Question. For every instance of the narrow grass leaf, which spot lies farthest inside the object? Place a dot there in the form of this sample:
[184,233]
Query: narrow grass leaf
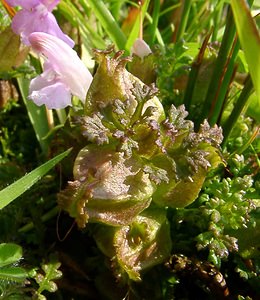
[136,28]
[78,18]
[37,115]
[221,65]
[186,5]
[240,104]
[107,21]
[155,18]
[249,38]
[17,188]
[157,32]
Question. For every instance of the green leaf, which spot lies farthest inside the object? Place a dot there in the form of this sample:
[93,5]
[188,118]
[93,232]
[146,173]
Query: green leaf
[16,189]
[11,55]
[9,254]
[16,274]
[249,38]
[51,273]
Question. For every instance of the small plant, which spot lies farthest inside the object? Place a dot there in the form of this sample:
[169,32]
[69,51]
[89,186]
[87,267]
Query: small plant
[141,159]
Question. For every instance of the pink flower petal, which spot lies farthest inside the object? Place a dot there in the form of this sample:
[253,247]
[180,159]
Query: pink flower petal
[50,4]
[29,4]
[140,48]
[38,19]
[54,94]
[64,61]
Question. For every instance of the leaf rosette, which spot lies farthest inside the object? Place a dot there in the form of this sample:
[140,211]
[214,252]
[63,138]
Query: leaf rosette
[135,153]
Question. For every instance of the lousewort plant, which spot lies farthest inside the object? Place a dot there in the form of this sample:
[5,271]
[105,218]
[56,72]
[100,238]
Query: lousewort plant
[151,123]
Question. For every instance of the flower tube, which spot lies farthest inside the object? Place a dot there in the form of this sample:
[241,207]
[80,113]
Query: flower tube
[64,73]
[36,16]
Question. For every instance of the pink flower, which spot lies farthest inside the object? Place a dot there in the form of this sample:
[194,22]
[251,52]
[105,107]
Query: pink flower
[140,48]
[36,16]
[64,73]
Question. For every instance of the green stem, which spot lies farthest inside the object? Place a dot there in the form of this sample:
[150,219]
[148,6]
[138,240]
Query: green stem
[197,25]
[169,9]
[240,104]
[49,215]
[62,116]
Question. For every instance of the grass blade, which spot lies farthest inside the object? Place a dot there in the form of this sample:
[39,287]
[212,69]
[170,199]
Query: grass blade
[220,68]
[186,5]
[194,72]
[37,115]
[155,18]
[249,39]
[240,104]
[108,22]
[91,39]
[136,28]
[217,106]
[157,32]
[17,188]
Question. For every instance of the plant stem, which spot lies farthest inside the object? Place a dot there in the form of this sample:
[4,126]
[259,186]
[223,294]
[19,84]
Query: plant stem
[249,37]
[50,214]
[62,116]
